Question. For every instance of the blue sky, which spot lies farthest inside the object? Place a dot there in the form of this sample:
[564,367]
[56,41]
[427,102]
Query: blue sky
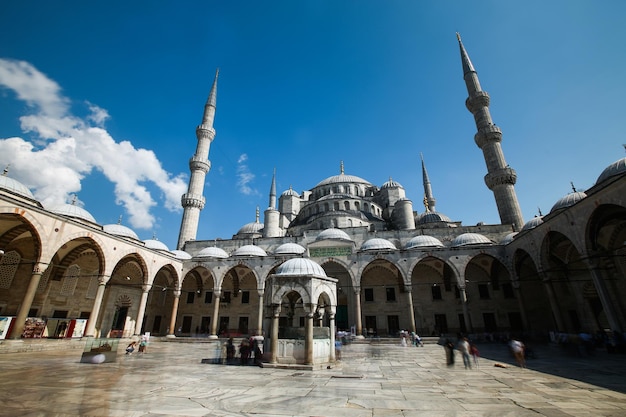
[101,99]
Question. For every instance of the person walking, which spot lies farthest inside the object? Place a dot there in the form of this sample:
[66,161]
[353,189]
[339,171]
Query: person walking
[517,348]
[475,353]
[464,347]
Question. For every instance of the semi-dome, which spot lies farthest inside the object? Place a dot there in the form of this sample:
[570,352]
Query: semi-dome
[120,230]
[212,252]
[508,238]
[532,223]
[617,167]
[377,244]
[568,200]
[300,266]
[14,186]
[467,239]
[74,211]
[423,241]
[249,250]
[181,254]
[432,217]
[332,234]
[289,249]
[290,193]
[391,184]
[155,244]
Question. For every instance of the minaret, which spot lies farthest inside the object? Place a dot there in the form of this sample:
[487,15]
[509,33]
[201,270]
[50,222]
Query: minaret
[271,227]
[429,200]
[500,176]
[193,201]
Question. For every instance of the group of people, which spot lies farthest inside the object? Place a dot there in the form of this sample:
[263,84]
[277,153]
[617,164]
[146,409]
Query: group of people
[413,338]
[469,351]
[249,352]
[140,346]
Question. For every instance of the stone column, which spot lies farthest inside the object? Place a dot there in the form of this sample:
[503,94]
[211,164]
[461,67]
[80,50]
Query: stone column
[409,297]
[90,331]
[274,337]
[142,308]
[216,311]
[27,301]
[556,311]
[357,305]
[522,308]
[174,314]
[259,320]
[333,331]
[466,313]
[308,341]
[605,299]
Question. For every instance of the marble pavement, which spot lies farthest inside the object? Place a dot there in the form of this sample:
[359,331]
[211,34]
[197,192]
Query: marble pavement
[371,380]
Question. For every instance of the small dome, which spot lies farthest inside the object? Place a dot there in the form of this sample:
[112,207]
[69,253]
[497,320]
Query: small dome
[532,223]
[391,184]
[467,239]
[300,266]
[181,254]
[72,210]
[15,187]
[290,193]
[332,234]
[568,200]
[508,238]
[254,227]
[212,252]
[155,244]
[617,167]
[119,230]
[423,242]
[432,217]
[377,244]
[289,249]
[249,250]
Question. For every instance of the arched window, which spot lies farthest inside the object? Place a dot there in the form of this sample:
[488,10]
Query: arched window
[346,205]
[357,206]
[336,205]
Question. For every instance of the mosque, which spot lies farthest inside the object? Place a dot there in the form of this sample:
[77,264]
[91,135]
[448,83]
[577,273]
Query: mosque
[344,255]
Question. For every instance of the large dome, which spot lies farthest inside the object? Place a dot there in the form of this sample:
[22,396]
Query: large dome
[300,266]
[15,187]
[212,252]
[467,239]
[568,200]
[289,249]
[72,210]
[333,234]
[250,228]
[423,241]
[617,167]
[119,230]
[377,244]
[249,250]
[343,178]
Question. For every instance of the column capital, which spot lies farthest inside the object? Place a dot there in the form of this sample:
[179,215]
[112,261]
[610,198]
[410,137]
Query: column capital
[146,287]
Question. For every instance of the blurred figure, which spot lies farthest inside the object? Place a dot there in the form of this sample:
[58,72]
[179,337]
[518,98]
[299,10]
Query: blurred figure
[517,348]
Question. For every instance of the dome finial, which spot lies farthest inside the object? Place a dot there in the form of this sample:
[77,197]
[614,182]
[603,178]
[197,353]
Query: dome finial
[426,203]
[572,184]
[539,210]
[74,199]
[341,168]
[119,221]
[257,214]
[6,170]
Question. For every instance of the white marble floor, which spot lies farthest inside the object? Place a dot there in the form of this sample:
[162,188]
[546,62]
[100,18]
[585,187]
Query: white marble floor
[372,380]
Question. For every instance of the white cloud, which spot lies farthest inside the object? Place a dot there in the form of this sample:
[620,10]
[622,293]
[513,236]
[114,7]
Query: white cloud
[244,176]
[68,148]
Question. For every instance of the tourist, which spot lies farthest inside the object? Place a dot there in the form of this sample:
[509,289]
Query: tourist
[131,347]
[464,347]
[517,348]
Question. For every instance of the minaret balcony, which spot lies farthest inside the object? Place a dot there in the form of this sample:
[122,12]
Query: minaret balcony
[477,100]
[491,133]
[205,132]
[199,164]
[503,176]
[193,200]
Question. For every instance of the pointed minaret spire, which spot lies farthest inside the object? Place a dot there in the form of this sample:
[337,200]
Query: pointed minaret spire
[500,178]
[273,191]
[193,200]
[429,200]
